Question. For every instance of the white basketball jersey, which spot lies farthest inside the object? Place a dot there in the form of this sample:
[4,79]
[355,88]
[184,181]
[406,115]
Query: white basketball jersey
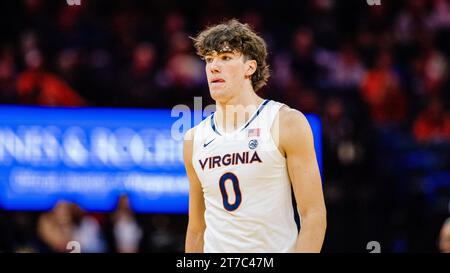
[246,186]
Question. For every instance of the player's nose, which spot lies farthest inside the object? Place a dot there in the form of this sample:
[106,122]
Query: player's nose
[214,66]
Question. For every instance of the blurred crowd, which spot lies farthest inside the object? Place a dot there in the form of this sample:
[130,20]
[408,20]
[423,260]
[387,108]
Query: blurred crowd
[68,228]
[378,76]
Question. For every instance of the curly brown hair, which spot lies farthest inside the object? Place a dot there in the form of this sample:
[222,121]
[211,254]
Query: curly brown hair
[237,37]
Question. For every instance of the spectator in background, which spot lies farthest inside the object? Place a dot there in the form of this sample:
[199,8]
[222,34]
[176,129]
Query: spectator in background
[8,93]
[301,97]
[55,228]
[382,92]
[69,67]
[68,222]
[137,81]
[344,150]
[304,66]
[88,232]
[338,131]
[444,237]
[410,19]
[440,15]
[343,71]
[38,87]
[126,232]
[346,72]
[182,76]
[433,123]
[427,71]
[434,71]
[20,232]
[323,21]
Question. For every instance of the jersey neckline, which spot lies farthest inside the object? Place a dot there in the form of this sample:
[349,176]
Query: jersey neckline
[218,131]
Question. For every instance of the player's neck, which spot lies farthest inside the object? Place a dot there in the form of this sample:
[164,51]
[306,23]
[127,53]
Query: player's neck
[235,112]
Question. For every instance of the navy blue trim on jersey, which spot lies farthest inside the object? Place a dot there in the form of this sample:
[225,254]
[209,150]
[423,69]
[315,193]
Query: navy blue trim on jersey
[257,113]
[213,125]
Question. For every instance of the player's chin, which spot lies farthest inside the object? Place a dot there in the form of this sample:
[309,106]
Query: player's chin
[217,94]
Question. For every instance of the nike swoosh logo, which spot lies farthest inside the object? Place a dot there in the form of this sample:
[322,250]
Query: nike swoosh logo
[206,144]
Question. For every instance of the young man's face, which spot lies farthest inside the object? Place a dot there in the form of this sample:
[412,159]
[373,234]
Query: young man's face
[226,73]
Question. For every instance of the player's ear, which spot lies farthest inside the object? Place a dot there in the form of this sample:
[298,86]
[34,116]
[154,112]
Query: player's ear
[251,67]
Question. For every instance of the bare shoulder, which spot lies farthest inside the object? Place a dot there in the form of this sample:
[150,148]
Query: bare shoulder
[189,135]
[293,121]
[188,146]
[293,127]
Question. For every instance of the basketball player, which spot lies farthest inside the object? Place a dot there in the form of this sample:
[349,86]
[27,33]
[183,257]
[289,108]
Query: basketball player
[243,160]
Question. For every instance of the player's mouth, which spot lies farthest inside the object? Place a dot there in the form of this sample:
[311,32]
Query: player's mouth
[217,80]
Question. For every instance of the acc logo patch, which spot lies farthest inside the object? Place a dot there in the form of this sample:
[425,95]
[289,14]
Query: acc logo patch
[252,144]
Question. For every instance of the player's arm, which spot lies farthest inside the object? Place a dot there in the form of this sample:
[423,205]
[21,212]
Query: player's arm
[196,224]
[296,142]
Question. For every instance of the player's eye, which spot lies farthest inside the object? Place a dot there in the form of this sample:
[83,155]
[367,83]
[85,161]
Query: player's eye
[226,58]
[208,59]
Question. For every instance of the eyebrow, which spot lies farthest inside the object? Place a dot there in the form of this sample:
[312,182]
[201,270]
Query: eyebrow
[219,53]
